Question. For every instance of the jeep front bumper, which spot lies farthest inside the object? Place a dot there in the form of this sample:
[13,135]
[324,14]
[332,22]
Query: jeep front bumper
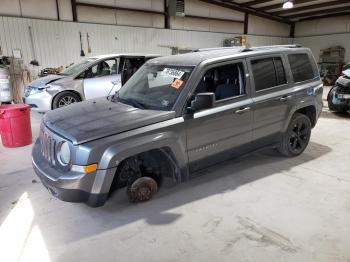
[91,188]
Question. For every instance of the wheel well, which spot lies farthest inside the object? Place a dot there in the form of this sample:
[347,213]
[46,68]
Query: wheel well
[155,163]
[65,91]
[310,112]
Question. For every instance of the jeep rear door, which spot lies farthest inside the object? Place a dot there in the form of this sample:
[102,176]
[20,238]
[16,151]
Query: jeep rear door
[273,100]
[225,130]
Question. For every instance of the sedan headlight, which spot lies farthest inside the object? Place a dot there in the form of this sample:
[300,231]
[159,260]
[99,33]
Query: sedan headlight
[32,91]
[63,154]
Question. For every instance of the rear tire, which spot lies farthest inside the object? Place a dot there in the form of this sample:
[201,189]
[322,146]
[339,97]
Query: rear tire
[64,99]
[297,136]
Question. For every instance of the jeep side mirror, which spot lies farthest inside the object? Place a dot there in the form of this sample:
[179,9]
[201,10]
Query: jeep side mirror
[202,101]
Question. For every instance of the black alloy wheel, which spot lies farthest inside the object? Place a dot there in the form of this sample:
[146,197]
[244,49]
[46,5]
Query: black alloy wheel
[297,136]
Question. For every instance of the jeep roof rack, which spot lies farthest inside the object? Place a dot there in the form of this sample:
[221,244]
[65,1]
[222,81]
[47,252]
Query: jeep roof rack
[244,49]
[217,48]
[271,46]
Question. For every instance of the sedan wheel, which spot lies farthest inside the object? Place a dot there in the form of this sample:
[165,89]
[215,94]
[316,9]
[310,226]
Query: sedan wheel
[66,100]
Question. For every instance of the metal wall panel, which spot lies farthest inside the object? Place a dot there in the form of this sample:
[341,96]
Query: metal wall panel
[262,26]
[198,8]
[323,33]
[316,43]
[57,42]
[330,25]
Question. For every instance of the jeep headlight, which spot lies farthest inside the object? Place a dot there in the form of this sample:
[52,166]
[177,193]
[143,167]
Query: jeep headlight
[63,154]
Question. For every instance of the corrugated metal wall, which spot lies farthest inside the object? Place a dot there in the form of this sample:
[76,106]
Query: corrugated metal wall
[57,42]
[316,43]
[323,33]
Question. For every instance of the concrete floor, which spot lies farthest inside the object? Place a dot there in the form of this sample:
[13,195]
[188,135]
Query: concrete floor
[261,207]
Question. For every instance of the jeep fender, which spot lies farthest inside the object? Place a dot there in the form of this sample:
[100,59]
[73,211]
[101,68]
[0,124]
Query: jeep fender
[169,142]
[294,110]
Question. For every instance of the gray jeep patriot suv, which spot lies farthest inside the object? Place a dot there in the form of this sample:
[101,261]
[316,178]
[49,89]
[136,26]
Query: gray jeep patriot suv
[177,115]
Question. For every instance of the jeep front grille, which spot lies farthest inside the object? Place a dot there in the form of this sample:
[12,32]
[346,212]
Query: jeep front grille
[48,147]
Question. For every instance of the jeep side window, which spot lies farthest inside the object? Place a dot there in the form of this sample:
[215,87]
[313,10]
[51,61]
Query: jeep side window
[268,72]
[225,81]
[301,67]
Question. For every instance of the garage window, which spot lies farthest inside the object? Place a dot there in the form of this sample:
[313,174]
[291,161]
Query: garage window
[301,67]
[268,72]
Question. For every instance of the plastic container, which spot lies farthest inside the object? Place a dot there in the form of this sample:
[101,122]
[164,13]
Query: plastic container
[5,86]
[15,128]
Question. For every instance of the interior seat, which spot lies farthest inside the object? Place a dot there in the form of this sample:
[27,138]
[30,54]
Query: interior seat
[206,84]
[228,88]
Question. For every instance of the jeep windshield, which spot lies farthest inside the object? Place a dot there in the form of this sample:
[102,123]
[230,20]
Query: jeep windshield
[155,86]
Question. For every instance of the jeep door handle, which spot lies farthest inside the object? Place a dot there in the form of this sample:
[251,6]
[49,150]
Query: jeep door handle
[285,98]
[242,110]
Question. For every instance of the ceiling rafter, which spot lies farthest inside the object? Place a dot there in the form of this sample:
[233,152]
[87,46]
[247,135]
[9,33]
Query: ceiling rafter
[256,2]
[306,12]
[279,5]
[246,9]
[315,13]
[324,16]
[311,7]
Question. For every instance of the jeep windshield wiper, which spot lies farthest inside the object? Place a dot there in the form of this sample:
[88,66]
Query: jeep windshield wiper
[132,102]
[138,104]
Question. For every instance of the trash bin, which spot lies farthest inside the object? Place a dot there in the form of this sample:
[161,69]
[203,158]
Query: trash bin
[15,126]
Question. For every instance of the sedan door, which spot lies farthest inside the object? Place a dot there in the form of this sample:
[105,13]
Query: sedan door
[129,65]
[224,131]
[102,79]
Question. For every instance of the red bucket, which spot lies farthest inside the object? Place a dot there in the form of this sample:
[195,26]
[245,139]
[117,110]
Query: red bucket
[15,129]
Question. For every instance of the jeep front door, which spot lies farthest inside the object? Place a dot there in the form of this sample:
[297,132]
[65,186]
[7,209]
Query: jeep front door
[221,132]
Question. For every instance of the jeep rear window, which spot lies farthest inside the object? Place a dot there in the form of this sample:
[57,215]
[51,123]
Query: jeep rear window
[268,72]
[301,67]
[155,86]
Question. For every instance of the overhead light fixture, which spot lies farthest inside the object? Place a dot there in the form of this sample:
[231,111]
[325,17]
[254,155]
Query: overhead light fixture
[288,5]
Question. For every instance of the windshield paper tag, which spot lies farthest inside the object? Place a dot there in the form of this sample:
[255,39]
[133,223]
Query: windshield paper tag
[173,73]
[177,84]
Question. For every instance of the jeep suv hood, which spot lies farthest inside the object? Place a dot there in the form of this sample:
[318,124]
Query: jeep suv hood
[90,120]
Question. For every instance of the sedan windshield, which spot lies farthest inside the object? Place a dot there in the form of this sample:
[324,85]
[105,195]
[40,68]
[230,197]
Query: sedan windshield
[77,68]
[155,86]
